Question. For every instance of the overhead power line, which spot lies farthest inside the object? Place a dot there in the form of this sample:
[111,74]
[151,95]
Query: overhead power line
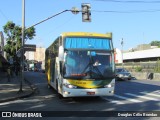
[131,1]
[131,11]
[3,15]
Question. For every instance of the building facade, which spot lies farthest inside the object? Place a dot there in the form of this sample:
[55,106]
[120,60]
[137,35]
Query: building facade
[152,54]
[149,55]
[38,55]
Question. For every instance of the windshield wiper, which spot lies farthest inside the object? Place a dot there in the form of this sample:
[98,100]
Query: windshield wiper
[92,68]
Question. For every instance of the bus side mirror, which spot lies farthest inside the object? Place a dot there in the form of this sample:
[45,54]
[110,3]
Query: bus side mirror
[61,53]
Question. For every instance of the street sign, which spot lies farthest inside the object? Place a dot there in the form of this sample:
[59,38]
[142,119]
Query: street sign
[29,47]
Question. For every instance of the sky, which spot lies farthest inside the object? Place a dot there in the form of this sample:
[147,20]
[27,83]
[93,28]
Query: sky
[134,21]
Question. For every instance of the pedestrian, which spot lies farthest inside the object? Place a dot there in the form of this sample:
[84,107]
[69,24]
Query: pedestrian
[150,76]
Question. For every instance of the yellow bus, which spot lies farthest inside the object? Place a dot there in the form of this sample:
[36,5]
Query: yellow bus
[81,64]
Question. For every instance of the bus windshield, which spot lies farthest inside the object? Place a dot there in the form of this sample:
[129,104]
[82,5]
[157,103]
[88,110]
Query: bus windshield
[88,64]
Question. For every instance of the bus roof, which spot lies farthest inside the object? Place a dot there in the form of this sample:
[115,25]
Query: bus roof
[87,34]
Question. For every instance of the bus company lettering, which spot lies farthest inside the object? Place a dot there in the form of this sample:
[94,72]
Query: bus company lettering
[79,82]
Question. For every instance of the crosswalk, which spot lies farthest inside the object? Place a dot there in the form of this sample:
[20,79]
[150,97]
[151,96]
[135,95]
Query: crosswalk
[134,98]
[144,97]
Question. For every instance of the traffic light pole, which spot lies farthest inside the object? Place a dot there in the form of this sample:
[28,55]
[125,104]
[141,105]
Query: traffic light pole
[23,40]
[48,18]
[85,10]
[74,11]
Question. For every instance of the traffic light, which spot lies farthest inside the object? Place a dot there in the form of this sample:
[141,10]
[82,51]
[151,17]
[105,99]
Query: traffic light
[86,12]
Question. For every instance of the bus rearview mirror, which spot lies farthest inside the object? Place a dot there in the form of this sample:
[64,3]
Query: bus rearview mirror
[61,53]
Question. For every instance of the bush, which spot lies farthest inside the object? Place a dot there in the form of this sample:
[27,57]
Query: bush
[157,68]
[138,69]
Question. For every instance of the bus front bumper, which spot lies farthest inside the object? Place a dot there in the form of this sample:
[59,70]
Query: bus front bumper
[88,92]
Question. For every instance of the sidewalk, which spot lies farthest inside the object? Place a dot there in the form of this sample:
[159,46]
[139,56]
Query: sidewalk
[9,90]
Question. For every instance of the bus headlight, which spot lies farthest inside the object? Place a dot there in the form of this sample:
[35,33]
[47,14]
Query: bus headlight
[109,85]
[70,86]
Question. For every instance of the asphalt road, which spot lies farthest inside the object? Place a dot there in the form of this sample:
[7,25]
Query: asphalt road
[133,95]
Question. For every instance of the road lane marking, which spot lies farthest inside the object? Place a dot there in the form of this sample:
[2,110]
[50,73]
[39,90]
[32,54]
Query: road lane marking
[50,96]
[158,91]
[151,94]
[11,102]
[20,101]
[126,98]
[114,101]
[144,97]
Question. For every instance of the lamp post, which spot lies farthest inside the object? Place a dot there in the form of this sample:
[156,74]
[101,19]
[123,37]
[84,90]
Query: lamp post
[122,51]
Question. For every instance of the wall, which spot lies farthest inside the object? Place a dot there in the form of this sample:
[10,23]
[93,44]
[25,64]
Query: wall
[144,75]
[39,55]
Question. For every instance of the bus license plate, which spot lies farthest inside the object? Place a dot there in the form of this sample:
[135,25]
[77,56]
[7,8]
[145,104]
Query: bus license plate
[90,93]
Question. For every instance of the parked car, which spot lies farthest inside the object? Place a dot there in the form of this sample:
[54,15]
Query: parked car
[123,74]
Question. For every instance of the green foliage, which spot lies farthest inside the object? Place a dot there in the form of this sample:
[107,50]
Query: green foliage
[30,33]
[155,43]
[157,68]
[14,37]
[138,69]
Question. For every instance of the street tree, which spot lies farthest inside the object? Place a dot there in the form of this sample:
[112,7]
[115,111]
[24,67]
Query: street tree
[14,37]
[155,43]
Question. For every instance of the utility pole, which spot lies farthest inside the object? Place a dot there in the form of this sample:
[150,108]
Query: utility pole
[22,46]
[122,51]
